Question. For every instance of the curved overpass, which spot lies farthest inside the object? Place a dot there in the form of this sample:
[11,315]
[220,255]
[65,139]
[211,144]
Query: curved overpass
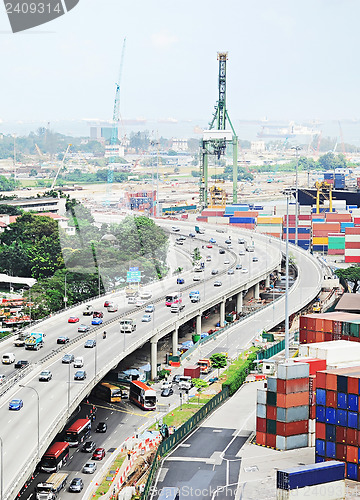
[60,396]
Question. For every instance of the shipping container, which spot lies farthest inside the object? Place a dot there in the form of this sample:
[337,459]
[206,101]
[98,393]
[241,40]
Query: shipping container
[292,414]
[260,410]
[192,371]
[315,364]
[291,442]
[271,412]
[291,428]
[260,424]
[292,399]
[288,371]
[271,384]
[309,475]
[261,396]
[293,385]
[261,438]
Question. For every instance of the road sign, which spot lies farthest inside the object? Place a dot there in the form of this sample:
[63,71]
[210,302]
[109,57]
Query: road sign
[133,269]
[133,276]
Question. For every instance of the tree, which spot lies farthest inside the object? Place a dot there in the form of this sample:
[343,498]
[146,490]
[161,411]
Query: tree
[351,274]
[218,360]
[199,383]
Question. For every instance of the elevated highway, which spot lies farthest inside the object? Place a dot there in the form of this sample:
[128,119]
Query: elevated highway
[21,431]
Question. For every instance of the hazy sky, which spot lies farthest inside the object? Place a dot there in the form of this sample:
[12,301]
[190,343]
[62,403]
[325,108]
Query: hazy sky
[287,60]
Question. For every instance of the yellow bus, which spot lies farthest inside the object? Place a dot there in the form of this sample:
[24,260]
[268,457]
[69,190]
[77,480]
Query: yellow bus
[108,392]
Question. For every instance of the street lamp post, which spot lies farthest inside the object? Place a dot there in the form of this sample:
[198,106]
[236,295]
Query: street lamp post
[297,149]
[38,420]
[65,291]
[287,284]
[2,470]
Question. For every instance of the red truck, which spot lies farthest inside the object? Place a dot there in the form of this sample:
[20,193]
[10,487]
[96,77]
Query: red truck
[205,365]
[192,371]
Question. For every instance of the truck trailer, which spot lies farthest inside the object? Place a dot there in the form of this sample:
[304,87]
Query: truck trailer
[34,341]
[49,490]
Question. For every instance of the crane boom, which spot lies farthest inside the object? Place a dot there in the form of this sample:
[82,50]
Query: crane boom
[60,167]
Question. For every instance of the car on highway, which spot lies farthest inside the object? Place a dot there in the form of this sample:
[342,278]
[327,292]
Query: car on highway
[228,242]
[255,259]
[175,229]
[176,379]
[107,303]
[209,245]
[80,375]
[99,454]
[226,261]
[62,340]
[112,307]
[83,328]
[208,258]
[217,283]
[220,230]
[179,242]
[90,343]
[21,363]
[73,319]
[101,427]
[166,392]
[140,303]
[89,447]
[196,277]
[241,253]
[98,314]
[89,468]
[96,321]
[76,485]
[241,241]
[238,266]
[212,240]
[45,376]
[230,271]
[175,308]
[180,281]
[67,358]
[182,237]
[2,378]
[221,251]
[146,318]
[132,300]
[150,308]
[16,404]
[214,271]
[244,270]
[145,295]
[165,384]
[192,235]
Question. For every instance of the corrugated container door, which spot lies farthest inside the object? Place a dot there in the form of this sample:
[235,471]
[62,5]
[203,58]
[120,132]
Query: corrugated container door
[341,417]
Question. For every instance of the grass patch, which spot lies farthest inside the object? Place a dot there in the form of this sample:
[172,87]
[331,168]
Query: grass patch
[181,415]
[237,364]
[105,485]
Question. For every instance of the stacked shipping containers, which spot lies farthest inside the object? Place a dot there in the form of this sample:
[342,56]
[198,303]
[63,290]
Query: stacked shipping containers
[337,418]
[320,234]
[282,410]
[270,224]
[352,244]
[336,244]
[329,326]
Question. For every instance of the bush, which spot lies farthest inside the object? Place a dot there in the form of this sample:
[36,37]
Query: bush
[238,377]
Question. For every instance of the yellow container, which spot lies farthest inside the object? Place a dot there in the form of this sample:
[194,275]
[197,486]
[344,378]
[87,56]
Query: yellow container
[320,240]
[269,220]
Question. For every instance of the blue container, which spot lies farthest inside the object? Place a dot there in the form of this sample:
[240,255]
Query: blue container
[319,459]
[330,416]
[330,449]
[330,432]
[320,447]
[341,418]
[258,207]
[342,383]
[344,225]
[328,175]
[353,402]
[339,183]
[320,413]
[320,397]
[310,475]
[320,248]
[342,400]
[304,244]
[352,419]
[242,220]
[352,471]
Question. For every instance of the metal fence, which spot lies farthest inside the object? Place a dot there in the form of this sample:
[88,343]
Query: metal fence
[271,351]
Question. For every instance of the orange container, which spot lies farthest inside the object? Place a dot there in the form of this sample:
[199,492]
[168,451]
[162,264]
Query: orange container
[293,399]
[320,430]
[331,227]
[352,454]
[331,399]
[353,385]
[333,217]
[331,382]
[319,337]
[328,325]
[261,438]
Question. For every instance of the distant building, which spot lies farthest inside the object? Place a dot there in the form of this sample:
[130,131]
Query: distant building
[179,145]
[53,205]
[114,150]
[258,146]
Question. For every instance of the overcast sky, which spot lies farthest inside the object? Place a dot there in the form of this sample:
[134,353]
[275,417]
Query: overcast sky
[287,60]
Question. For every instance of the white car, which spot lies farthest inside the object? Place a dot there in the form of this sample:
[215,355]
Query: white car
[226,261]
[132,300]
[145,295]
[244,270]
[175,229]
[197,278]
[146,318]
[140,303]
[230,271]
[166,384]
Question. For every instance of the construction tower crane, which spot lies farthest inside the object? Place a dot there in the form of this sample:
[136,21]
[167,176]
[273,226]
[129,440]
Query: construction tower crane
[60,167]
[215,139]
[115,126]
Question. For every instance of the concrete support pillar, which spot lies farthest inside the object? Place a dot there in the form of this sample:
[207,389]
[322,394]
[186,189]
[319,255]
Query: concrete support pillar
[198,324]
[267,281]
[256,291]
[175,341]
[222,313]
[153,357]
[278,268]
[239,302]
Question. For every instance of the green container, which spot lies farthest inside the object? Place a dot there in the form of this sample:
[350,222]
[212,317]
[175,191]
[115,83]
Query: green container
[354,329]
[345,329]
[195,338]
[269,337]
[271,426]
[229,318]
[271,398]
[336,243]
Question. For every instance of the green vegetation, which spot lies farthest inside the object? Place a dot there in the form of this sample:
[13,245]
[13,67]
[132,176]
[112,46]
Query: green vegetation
[199,383]
[218,360]
[105,485]
[238,370]
[351,274]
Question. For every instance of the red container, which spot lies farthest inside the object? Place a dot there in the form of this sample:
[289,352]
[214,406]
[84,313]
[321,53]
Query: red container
[293,399]
[192,371]
[352,258]
[321,380]
[331,399]
[320,430]
[315,364]
[260,424]
[271,440]
[329,227]
[303,337]
[352,436]
[294,385]
[331,382]
[312,412]
[328,336]
[352,244]
[271,412]
[328,325]
[319,337]
[341,434]
[261,438]
[352,230]
[340,452]
[311,337]
[292,428]
[353,385]
[336,251]
[334,217]
[352,454]
[249,213]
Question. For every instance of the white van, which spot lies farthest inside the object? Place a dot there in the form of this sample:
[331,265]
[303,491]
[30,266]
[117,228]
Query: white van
[185,382]
[127,325]
[79,362]
[112,307]
[8,358]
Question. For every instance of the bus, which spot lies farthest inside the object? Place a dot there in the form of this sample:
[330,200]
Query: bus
[142,395]
[55,457]
[173,298]
[108,392]
[78,431]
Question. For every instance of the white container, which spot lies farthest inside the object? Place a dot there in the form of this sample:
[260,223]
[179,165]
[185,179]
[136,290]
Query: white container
[272,384]
[289,371]
[293,414]
[353,238]
[260,410]
[312,424]
[326,491]
[261,397]
[335,351]
[291,442]
[352,252]
[311,440]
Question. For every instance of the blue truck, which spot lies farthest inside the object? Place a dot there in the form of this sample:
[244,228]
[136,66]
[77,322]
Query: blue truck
[34,341]
[194,296]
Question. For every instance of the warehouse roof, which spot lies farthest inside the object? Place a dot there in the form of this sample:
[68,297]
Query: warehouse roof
[349,302]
